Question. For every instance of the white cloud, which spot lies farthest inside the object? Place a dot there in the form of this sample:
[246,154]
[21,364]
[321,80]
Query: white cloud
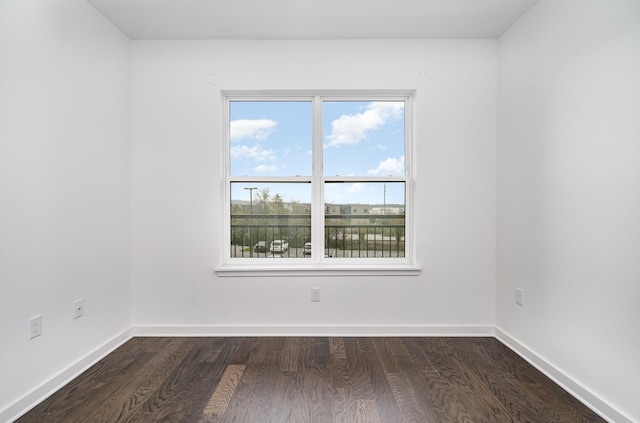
[251,128]
[389,167]
[255,153]
[351,129]
[266,168]
[357,187]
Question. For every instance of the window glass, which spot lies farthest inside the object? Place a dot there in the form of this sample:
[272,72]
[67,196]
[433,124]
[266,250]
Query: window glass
[363,138]
[270,138]
[364,219]
[270,219]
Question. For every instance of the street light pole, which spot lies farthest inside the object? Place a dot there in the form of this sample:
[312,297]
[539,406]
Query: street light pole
[251,219]
[384,206]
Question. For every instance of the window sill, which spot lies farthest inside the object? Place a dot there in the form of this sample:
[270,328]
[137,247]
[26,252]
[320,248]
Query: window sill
[281,270]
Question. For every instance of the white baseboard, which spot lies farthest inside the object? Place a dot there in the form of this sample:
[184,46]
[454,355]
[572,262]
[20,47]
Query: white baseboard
[314,330]
[26,403]
[595,403]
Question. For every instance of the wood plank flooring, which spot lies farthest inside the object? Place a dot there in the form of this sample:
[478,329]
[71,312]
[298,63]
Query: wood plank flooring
[311,379]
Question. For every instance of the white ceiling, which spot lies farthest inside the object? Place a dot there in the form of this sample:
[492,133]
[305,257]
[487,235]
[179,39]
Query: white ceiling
[311,19]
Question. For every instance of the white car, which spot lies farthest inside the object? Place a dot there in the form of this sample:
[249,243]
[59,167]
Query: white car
[279,246]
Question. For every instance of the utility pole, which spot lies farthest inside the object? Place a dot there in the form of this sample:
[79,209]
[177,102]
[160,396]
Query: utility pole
[384,208]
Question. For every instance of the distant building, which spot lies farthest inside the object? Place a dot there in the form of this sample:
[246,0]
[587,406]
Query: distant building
[341,209]
[355,208]
[387,210]
[332,209]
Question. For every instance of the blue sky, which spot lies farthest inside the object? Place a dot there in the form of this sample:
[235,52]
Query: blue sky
[359,139]
[271,138]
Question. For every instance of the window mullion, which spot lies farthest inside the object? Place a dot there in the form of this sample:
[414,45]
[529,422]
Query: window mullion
[317,208]
[364,178]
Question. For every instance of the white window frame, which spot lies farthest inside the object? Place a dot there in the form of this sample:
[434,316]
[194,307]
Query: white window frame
[317,264]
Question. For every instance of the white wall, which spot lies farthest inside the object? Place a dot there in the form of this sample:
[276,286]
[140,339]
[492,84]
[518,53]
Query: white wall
[64,189]
[569,192]
[178,184]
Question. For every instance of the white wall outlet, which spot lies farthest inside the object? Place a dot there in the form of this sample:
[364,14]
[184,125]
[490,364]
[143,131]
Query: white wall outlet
[78,308]
[35,326]
[519,294]
[315,295]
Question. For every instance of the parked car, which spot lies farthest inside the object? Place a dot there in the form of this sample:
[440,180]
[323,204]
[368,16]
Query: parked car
[260,247]
[307,249]
[279,246]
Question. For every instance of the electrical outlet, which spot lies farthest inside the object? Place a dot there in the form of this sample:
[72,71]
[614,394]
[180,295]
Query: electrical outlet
[519,294]
[35,326]
[315,295]
[78,308]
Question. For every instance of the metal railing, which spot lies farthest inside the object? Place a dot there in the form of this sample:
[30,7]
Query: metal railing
[344,235]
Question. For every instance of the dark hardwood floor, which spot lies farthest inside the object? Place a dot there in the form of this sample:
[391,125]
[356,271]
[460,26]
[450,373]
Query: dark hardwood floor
[311,380]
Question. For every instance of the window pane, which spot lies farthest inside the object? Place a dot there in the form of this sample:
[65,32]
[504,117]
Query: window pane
[364,219]
[363,138]
[270,138]
[270,220]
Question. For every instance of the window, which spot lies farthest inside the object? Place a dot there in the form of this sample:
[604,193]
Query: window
[317,181]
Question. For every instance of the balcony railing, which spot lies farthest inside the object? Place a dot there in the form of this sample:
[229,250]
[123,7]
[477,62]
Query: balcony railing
[344,235]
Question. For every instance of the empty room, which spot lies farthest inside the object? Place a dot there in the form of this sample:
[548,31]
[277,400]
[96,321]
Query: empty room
[193,225]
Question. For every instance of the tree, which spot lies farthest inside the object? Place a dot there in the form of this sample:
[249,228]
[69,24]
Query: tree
[264,198]
[296,207]
[277,205]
